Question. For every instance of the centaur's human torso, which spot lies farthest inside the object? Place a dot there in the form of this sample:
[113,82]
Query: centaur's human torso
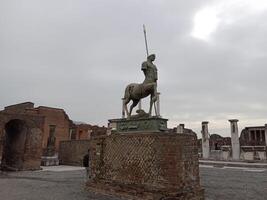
[150,71]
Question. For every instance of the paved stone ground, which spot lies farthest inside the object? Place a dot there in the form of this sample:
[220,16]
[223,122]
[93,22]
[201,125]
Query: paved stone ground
[231,183]
[60,183]
[66,183]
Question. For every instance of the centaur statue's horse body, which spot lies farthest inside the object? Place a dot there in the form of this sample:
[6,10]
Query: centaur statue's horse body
[136,92]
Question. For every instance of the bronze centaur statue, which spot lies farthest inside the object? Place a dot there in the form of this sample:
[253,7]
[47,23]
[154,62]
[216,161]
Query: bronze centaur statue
[136,92]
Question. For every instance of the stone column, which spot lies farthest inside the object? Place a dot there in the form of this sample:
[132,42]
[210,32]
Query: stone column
[266,135]
[180,128]
[235,139]
[205,140]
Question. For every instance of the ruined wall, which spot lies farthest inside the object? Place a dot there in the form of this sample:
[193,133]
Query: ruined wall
[147,165]
[253,153]
[83,131]
[1,148]
[253,136]
[58,117]
[19,108]
[71,152]
[22,141]
[53,116]
[86,131]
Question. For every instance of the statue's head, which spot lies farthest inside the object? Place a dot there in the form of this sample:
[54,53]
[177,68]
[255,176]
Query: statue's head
[151,57]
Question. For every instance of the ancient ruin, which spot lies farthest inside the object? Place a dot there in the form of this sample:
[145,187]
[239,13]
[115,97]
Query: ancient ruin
[32,135]
[22,146]
[250,145]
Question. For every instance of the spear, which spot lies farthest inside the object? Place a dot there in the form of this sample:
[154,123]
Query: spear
[139,105]
[144,28]
[145,39]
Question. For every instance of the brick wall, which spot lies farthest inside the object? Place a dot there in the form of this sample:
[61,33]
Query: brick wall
[53,116]
[58,117]
[1,148]
[19,108]
[22,148]
[71,152]
[147,164]
[86,131]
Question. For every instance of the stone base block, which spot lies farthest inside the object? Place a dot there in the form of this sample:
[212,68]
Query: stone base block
[261,155]
[226,155]
[140,166]
[49,161]
[152,124]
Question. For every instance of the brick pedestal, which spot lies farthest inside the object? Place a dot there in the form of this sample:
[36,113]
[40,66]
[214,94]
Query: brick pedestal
[146,166]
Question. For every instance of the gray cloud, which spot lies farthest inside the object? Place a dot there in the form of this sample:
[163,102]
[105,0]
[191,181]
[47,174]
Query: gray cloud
[79,55]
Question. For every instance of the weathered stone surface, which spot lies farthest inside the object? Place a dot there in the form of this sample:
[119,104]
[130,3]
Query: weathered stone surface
[71,152]
[82,131]
[146,166]
[51,142]
[22,148]
[50,161]
[253,136]
[52,116]
[1,148]
[205,140]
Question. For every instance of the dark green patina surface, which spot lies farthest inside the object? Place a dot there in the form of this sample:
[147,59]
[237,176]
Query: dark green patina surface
[152,124]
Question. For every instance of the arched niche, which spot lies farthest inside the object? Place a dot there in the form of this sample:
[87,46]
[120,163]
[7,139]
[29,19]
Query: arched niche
[14,145]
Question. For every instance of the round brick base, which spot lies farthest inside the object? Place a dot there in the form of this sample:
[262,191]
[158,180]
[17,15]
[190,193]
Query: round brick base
[146,166]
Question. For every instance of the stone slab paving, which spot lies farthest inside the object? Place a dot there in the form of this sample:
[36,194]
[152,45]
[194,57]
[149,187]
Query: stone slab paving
[52,183]
[229,183]
[67,183]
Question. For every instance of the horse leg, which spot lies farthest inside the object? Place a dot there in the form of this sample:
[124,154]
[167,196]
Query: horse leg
[135,102]
[125,102]
[150,107]
[155,107]
[154,99]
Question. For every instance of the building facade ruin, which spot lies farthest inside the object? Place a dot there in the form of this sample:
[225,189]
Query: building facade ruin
[22,146]
[37,131]
[250,145]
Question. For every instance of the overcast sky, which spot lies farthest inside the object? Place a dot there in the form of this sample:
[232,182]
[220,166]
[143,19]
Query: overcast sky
[79,55]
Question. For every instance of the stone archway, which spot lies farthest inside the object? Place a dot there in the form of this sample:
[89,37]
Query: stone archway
[14,148]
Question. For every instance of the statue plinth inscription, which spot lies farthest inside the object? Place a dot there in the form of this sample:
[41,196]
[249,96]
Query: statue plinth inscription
[152,124]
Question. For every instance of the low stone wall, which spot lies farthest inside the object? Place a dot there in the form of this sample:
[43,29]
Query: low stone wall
[247,153]
[71,152]
[223,154]
[146,166]
[253,153]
